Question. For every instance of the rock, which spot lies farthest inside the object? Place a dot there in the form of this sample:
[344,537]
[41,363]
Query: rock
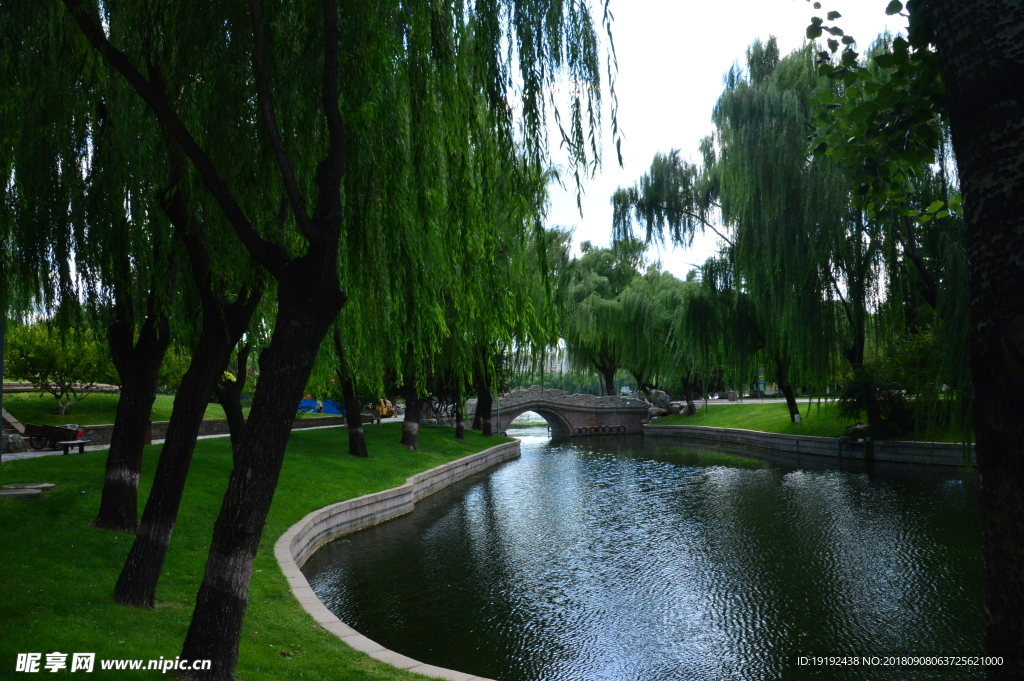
[12,442]
[676,407]
[661,399]
[858,432]
[654,412]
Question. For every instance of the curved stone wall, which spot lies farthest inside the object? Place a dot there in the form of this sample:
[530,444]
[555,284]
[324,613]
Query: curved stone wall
[303,538]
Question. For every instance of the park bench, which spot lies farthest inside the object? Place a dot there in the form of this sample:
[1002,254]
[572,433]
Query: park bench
[68,444]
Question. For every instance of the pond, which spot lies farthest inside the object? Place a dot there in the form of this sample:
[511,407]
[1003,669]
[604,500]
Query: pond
[619,559]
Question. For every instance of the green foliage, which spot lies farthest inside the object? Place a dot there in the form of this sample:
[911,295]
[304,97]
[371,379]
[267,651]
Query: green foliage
[874,391]
[591,312]
[66,365]
[882,120]
[173,369]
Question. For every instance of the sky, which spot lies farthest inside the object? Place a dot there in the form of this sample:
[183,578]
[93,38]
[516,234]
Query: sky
[672,56]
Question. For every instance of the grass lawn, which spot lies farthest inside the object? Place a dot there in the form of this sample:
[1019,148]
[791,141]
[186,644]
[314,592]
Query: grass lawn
[771,417]
[820,419]
[96,409]
[58,573]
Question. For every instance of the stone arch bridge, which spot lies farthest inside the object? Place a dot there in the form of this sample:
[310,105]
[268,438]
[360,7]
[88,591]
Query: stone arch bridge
[569,415]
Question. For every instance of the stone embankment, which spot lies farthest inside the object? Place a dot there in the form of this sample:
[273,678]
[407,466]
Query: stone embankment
[793,447]
[319,527]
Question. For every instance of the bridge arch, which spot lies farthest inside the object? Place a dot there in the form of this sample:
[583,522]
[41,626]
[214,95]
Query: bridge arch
[560,425]
[569,415]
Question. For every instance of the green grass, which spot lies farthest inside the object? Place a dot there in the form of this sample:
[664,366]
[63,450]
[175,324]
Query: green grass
[58,573]
[819,419]
[96,409]
[771,417]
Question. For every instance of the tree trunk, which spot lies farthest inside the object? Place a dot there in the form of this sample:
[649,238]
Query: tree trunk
[484,407]
[691,408]
[230,396]
[3,344]
[782,378]
[982,65]
[307,306]
[411,424]
[353,410]
[609,380]
[223,324]
[137,368]
[460,423]
[141,572]
[354,419]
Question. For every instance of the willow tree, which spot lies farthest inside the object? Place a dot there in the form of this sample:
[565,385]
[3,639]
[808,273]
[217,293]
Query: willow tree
[800,251]
[317,78]
[644,335]
[589,305]
[83,206]
[792,240]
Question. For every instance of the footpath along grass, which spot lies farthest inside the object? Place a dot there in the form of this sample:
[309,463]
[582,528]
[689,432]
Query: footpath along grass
[818,419]
[58,573]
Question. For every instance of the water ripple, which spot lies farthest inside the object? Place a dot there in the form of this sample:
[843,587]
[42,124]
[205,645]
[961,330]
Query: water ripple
[610,560]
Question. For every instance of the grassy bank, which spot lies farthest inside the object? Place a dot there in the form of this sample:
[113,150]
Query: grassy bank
[96,409]
[58,573]
[819,419]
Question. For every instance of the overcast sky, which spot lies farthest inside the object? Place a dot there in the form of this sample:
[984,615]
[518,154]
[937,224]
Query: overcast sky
[672,56]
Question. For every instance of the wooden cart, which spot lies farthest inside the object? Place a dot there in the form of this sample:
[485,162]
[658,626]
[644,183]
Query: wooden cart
[40,437]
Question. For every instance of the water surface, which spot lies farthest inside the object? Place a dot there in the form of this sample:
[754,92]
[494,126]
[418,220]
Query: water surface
[618,560]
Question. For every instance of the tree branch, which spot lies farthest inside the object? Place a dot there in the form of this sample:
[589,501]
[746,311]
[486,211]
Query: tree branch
[266,104]
[929,291]
[262,251]
[846,305]
[712,228]
[332,167]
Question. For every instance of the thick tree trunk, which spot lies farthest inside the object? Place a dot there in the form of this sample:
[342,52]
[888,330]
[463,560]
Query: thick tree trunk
[223,324]
[609,380]
[138,368]
[354,419]
[141,572]
[982,67]
[484,407]
[460,423]
[411,424]
[307,306]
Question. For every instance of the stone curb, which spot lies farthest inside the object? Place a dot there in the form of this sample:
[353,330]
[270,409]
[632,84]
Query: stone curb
[885,451]
[303,538]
